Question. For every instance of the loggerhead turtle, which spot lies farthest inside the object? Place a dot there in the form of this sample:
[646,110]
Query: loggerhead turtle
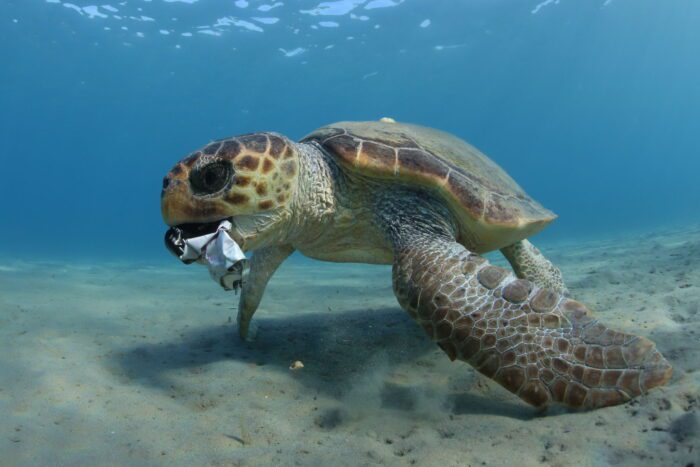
[429,204]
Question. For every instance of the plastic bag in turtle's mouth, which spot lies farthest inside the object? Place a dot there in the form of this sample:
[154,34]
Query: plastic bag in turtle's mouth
[217,250]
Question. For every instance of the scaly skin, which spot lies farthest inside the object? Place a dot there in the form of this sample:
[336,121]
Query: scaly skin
[534,342]
[529,263]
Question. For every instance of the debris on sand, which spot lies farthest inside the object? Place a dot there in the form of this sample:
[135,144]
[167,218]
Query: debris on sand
[296,365]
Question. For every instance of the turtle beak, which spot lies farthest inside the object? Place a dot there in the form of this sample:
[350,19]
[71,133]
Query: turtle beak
[175,236]
[174,241]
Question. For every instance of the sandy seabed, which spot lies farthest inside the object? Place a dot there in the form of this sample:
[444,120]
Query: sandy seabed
[136,364]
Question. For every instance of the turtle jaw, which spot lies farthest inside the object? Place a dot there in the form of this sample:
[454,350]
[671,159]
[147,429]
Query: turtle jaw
[189,230]
[254,231]
[250,232]
[197,229]
[177,234]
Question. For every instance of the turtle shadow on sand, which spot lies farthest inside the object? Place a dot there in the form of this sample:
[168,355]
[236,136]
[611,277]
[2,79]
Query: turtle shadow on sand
[341,352]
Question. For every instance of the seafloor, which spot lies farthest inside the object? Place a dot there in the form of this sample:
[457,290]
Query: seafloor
[134,364]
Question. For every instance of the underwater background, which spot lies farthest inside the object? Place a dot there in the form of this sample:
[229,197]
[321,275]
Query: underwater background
[114,353]
[592,106]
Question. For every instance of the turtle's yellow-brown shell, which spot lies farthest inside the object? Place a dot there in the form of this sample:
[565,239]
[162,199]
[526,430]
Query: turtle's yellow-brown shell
[492,210]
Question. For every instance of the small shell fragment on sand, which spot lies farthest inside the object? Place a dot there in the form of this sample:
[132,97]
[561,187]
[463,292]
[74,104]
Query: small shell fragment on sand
[296,365]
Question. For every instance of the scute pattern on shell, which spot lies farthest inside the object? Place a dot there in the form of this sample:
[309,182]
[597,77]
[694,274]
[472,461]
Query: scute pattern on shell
[427,157]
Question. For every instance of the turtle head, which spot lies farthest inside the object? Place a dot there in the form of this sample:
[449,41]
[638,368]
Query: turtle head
[249,180]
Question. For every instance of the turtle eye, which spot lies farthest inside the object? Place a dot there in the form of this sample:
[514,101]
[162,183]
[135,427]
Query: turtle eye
[211,178]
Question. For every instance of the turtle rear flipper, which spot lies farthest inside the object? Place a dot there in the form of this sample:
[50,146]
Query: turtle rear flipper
[535,342]
[529,263]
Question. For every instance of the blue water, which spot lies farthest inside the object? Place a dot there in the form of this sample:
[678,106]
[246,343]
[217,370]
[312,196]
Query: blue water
[592,106]
[114,353]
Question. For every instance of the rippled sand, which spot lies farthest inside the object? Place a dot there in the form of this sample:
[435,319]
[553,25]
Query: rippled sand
[129,363]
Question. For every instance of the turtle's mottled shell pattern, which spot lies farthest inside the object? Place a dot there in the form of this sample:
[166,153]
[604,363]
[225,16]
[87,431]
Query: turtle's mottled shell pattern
[472,183]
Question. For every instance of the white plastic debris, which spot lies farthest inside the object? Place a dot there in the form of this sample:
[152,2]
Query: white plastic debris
[219,252]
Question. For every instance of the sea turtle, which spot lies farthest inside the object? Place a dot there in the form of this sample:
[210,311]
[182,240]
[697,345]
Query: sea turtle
[428,203]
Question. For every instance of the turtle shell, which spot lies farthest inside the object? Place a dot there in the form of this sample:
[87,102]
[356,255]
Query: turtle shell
[491,208]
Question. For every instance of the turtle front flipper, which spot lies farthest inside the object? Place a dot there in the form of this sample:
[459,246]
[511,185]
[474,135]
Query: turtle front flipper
[536,343]
[263,265]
